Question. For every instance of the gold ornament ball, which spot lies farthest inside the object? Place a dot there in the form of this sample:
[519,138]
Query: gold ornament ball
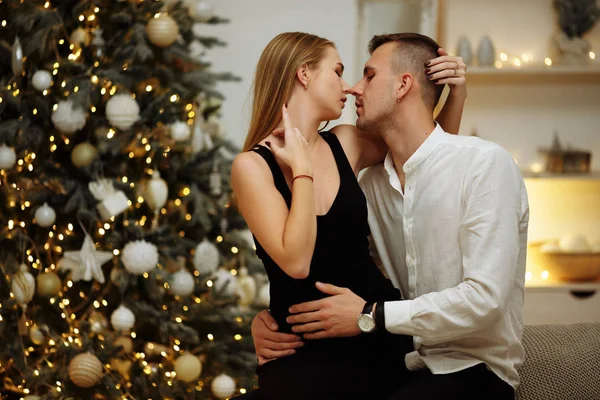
[121,366]
[36,335]
[98,322]
[188,368]
[85,370]
[126,342]
[32,398]
[80,37]
[162,30]
[83,155]
[48,284]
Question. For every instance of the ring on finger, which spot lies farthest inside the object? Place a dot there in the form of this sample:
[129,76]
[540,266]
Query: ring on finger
[456,72]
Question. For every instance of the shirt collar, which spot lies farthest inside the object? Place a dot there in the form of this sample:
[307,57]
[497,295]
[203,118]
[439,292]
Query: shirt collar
[426,148]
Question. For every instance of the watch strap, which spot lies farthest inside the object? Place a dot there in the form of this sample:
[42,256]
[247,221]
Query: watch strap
[368,309]
[380,315]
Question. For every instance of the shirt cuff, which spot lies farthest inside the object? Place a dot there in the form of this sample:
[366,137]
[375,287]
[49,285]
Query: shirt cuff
[398,317]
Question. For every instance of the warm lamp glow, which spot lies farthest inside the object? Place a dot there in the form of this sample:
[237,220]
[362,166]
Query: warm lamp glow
[536,168]
[548,61]
[503,57]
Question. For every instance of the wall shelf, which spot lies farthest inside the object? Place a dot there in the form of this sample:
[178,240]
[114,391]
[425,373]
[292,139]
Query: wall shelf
[589,74]
[527,174]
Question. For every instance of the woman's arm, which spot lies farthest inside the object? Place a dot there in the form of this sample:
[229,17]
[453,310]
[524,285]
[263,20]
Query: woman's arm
[288,236]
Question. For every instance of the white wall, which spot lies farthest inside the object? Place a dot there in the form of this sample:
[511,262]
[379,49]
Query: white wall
[253,24]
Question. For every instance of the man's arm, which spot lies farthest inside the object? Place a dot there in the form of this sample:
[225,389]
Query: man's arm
[490,247]
[270,344]
[489,240]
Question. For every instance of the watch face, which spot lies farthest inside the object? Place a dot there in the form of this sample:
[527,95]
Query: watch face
[366,323]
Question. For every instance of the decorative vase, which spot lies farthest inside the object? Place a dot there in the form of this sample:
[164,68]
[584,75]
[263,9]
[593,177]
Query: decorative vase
[464,50]
[486,54]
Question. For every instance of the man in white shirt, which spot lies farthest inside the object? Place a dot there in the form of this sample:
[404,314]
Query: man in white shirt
[448,216]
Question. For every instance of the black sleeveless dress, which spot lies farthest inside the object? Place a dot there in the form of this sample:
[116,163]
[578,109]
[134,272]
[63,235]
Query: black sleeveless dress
[368,366]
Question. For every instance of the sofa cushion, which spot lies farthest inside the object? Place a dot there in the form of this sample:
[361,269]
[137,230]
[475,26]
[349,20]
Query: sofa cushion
[562,362]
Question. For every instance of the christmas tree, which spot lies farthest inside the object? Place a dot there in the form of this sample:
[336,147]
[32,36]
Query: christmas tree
[126,271]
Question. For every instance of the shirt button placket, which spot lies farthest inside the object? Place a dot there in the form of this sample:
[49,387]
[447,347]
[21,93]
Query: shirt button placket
[408,218]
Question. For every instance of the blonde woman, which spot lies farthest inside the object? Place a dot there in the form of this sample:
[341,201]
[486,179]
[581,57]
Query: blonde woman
[297,190]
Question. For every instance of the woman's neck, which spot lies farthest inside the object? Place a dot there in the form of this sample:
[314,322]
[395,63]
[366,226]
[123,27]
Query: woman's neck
[303,116]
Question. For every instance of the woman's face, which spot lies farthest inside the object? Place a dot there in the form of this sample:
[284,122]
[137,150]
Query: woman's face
[327,86]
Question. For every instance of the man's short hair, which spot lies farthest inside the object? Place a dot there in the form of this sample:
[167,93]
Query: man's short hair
[413,50]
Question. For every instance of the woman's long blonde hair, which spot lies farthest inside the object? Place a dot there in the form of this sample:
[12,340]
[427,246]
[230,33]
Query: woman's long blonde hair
[275,76]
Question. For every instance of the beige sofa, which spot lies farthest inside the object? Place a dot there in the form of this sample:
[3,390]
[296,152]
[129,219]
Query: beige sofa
[562,362]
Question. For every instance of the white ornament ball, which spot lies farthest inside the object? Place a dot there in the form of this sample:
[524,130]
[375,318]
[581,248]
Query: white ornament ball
[68,119]
[182,283]
[8,157]
[85,370]
[41,80]
[246,287]
[139,256]
[550,247]
[122,319]
[162,30]
[80,37]
[225,283]
[264,296]
[206,257]
[223,386]
[574,244]
[23,285]
[45,216]
[201,11]
[180,131]
[122,111]
[188,368]
[83,155]
[157,191]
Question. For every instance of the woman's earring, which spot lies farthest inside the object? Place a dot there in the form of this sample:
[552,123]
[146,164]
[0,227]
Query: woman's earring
[397,100]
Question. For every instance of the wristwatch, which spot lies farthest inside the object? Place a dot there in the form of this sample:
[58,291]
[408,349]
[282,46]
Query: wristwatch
[366,320]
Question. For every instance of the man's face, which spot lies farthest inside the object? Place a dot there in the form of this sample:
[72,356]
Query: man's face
[375,92]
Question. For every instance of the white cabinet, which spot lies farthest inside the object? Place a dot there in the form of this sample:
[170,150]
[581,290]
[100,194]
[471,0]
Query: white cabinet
[562,303]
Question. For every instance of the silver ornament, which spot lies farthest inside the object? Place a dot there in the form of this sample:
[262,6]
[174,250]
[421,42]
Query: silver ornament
[215,182]
[16,60]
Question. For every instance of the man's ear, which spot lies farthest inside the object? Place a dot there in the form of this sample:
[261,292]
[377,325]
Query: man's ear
[303,75]
[405,83]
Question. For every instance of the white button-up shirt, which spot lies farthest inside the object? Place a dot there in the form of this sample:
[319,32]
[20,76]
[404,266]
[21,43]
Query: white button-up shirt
[454,241]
